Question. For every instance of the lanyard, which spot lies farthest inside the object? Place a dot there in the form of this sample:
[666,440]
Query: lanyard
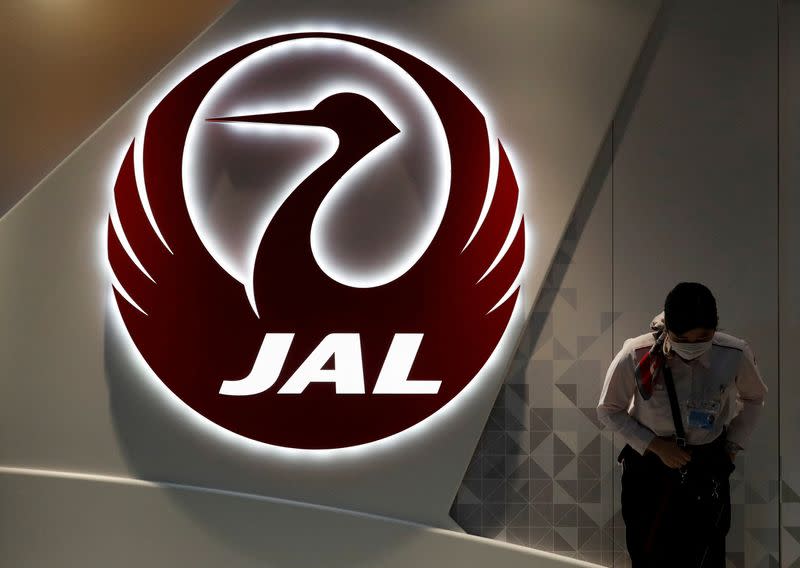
[677,419]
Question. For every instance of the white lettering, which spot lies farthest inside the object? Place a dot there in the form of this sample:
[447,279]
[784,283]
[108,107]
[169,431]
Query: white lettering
[347,374]
[265,370]
[393,378]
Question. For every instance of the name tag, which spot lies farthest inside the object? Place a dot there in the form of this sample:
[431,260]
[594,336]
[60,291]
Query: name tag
[703,414]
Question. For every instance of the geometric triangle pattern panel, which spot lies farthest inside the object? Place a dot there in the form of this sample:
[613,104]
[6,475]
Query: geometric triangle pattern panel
[540,476]
[544,474]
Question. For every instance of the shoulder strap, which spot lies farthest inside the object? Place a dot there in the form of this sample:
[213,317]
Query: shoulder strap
[680,433]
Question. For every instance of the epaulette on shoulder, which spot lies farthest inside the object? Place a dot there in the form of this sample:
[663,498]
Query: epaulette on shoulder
[725,340]
[638,346]
[646,340]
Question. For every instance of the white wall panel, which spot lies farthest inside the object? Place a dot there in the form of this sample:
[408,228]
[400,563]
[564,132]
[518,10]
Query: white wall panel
[551,74]
[108,522]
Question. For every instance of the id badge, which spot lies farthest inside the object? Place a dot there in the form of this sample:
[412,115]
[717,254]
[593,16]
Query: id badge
[703,414]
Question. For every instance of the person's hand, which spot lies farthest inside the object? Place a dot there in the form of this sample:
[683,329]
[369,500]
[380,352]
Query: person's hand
[670,453]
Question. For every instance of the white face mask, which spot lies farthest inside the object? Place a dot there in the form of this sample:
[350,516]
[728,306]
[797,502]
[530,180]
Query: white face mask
[690,350]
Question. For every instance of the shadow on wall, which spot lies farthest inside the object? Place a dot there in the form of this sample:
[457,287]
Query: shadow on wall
[504,425]
[601,167]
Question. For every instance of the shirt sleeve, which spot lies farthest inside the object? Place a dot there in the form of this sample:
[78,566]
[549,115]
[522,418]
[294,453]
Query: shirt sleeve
[750,393]
[618,391]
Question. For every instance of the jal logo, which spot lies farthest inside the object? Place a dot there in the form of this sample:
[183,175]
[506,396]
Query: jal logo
[291,351]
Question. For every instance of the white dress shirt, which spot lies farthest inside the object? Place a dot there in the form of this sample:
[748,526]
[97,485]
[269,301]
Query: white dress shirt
[725,376]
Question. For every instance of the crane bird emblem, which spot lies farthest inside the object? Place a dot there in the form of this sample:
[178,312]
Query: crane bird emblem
[318,364]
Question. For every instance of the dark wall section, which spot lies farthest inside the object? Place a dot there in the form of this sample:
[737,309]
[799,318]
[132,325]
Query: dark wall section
[789,279]
[67,66]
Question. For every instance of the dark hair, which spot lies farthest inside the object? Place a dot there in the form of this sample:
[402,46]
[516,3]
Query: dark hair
[690,305]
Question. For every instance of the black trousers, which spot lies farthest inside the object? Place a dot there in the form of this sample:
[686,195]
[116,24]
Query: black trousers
[671,520]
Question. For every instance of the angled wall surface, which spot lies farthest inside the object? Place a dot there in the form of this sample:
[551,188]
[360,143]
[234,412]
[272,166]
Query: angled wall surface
[72,65]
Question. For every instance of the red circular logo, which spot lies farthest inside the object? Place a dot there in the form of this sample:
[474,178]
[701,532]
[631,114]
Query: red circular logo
[315,363]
